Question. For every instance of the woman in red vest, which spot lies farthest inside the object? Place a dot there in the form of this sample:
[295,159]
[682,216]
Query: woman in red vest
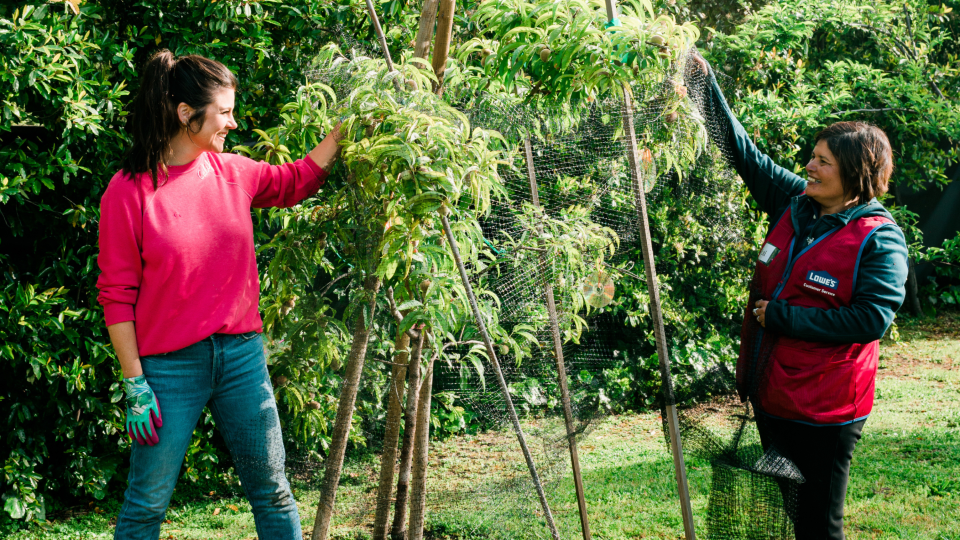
[828,280]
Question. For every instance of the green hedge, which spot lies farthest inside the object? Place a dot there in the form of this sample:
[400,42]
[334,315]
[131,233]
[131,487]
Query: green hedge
[65,82]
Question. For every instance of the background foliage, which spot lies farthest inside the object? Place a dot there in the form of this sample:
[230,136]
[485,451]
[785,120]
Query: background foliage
[66,80]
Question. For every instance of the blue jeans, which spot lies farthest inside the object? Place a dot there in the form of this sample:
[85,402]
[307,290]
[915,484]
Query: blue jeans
[229,373]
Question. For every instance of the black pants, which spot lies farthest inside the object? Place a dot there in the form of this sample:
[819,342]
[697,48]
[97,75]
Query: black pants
[823,454]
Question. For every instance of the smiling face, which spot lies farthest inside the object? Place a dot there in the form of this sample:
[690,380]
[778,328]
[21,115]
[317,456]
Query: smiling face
[823,180]
[217,122]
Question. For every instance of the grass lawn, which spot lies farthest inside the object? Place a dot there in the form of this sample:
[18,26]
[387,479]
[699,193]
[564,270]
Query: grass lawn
[905,477]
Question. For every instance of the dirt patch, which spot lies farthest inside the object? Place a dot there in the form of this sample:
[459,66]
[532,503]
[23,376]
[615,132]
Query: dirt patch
[945,326]
[907,366]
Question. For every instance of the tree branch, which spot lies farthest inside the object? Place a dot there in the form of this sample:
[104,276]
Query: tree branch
[622,271]
[438,351]
[904,49]
[338,278]
[885,109]
[900,45]
[393,306]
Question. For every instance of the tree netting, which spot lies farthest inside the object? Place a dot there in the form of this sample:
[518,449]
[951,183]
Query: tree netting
[566,225]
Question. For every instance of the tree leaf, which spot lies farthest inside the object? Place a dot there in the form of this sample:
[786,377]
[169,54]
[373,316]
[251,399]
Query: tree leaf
[15,507]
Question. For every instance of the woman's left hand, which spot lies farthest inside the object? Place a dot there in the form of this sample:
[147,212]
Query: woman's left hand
[760,311]
[327,152]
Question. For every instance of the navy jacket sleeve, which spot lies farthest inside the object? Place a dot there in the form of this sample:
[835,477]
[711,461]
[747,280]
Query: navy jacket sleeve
[880,292]
[771,185]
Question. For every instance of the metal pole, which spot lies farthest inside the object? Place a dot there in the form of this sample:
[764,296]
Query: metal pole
[646,246]
[561,367]
[500,380]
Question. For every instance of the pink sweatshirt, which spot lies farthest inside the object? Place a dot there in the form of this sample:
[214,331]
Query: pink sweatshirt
[179,260]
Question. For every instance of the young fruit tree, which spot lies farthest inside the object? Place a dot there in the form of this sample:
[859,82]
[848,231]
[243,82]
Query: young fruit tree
[403,156]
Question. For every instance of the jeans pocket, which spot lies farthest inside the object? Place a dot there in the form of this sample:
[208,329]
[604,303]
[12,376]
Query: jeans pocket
[247,336]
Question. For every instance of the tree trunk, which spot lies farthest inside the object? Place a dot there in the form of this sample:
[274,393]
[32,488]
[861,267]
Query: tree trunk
[345,406]
[398,531]
[428,17]
[441,47]
[388,460]
[913,292]
[418,488]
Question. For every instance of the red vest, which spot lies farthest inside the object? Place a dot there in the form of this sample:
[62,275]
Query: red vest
[819,383]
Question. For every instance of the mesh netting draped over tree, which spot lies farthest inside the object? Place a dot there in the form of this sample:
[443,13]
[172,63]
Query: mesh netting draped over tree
[545,193]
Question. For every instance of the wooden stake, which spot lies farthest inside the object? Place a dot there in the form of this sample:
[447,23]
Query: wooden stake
[646,246]
[492,354]
[561,367]
[611,6]
[383,40]
[656,314]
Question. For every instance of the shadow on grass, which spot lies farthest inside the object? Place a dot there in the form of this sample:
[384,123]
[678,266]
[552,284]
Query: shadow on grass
[902,484]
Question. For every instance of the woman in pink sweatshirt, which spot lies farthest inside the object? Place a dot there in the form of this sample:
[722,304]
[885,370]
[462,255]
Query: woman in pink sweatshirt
[180,291]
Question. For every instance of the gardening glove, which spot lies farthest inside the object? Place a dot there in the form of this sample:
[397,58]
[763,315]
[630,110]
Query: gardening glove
[143,411]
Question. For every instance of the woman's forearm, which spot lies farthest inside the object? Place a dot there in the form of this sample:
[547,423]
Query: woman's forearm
[326,153]
[771,185]
[123,336]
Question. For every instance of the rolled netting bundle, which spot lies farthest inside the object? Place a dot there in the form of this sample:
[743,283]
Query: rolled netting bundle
[559,241]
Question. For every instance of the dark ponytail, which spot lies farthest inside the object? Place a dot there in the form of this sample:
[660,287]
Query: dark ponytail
[153,121]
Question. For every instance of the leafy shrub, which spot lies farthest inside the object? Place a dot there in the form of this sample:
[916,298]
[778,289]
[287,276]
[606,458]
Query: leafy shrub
[65,83]
[801,65]
[945,287]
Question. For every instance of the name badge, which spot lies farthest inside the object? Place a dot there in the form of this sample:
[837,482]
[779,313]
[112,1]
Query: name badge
[768,252]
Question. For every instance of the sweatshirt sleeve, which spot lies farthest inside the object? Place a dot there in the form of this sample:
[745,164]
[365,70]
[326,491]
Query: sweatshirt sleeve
[120,262]
[288,184]
[880,291]
[771,185]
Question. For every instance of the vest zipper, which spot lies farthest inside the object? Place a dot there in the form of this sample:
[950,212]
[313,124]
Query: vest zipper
[793,260]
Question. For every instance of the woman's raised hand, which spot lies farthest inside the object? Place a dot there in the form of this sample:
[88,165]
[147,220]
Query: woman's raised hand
[326,153]
[696,66]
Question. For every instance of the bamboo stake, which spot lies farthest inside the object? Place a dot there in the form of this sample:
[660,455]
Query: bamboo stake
[561,367]
[383,40]
[656,314]
[511,411]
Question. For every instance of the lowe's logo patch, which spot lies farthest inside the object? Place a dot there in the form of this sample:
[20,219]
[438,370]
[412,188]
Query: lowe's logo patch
[824,279]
